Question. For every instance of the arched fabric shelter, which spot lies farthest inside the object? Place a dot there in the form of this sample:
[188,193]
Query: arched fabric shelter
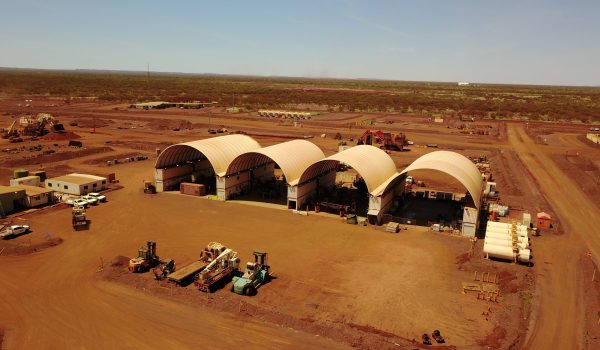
[374,165]
[293,157]
[202,158]
[455,165]
[219,151]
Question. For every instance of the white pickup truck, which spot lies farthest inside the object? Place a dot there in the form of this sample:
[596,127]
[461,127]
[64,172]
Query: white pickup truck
[78,201]
[98,196]
[13,231]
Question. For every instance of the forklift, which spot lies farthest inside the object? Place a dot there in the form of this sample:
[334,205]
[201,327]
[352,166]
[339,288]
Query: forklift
[145,260]
[256,274]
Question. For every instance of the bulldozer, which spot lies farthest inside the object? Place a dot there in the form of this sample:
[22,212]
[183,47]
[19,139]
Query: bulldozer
[145,260]
[256,274]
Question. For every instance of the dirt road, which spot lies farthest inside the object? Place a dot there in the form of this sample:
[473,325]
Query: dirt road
[558,313]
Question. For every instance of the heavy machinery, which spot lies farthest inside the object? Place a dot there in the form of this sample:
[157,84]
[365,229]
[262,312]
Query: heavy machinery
[37,126]
[188,272]
[11,132]
[79,219]
[370,137]
[164,268]
[393,142]
[145,260]
[226,264]
[256,274]
[437,336]
[387,140]
[149,188]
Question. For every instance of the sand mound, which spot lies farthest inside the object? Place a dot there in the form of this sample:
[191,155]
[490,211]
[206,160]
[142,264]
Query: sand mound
[120,261]
[60,136]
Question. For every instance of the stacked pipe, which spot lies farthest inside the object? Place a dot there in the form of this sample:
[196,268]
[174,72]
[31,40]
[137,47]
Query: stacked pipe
[507,241]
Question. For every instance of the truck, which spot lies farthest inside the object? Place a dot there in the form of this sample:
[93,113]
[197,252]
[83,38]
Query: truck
[189,272]
[222,267]
[14,231]
[78,219]
[257,273]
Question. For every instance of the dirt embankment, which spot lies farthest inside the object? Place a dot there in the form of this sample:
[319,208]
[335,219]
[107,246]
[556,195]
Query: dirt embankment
[358,336]
[9,248]
[55,157]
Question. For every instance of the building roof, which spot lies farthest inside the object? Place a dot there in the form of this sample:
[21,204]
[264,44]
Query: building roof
[9,189]
[293,157]
[75,179]
[455,165]
[88,176]
[33,190]
[25,178]
[219,151]
[374,166]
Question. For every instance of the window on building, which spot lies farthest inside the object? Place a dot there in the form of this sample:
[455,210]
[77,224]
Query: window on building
[104,182]
[66,187]
[37,198]
[95,185]
[49,184]
[85,187]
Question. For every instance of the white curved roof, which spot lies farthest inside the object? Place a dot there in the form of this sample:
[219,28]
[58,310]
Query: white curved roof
[219,151]
[374,165]
[293,157]
[455,165]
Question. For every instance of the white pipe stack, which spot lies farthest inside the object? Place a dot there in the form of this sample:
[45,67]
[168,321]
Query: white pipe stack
[498,242]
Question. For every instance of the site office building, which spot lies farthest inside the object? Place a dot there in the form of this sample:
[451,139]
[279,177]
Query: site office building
[76,184]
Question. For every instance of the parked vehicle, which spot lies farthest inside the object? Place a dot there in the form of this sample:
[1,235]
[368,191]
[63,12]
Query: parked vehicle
[78,201]
[256,274]
[98,196]
[14,231]
[91,200]
[437,336]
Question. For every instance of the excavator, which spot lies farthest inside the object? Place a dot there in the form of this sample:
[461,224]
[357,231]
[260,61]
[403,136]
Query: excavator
[257,274]
[37,126]
[225,265]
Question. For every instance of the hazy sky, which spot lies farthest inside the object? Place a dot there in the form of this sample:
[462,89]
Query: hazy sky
[504,41]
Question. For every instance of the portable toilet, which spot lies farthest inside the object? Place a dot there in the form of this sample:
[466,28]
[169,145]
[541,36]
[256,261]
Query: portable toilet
[544,221]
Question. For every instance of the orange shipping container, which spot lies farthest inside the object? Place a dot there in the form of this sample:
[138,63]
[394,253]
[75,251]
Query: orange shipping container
[192,189]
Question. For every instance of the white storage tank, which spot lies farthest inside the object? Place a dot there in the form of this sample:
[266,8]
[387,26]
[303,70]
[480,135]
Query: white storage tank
[506,242]
[526,219]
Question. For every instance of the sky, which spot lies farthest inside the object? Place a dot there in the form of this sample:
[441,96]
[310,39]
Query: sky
[505,41]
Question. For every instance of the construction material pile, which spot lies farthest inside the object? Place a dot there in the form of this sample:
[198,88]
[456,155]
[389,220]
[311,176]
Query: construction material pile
[507,241]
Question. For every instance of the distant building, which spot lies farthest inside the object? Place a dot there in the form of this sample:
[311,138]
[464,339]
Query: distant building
[163,105]
[463,83]
[76,184]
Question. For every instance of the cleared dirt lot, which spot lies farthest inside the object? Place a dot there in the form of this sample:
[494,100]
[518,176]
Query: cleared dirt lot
[337,285]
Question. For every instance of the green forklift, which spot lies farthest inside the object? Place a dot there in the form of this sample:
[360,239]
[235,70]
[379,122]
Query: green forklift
[256,274]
